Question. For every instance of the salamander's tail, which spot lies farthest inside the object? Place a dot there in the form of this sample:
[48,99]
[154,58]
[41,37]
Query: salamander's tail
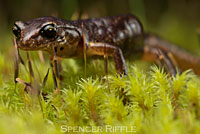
[181,58]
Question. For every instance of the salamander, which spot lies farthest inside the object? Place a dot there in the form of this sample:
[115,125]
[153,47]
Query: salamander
[116,36]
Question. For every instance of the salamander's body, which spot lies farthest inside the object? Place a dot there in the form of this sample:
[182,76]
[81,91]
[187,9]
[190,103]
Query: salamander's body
[108,36]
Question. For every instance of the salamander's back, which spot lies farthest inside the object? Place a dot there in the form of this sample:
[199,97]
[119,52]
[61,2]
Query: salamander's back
[115,30]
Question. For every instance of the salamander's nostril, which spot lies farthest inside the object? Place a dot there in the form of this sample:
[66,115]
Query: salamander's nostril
[16,31]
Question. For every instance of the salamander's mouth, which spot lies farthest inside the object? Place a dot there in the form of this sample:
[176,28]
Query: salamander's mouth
[32,47]
[28,48]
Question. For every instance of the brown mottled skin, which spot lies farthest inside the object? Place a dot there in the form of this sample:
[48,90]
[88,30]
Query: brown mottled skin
[103,36]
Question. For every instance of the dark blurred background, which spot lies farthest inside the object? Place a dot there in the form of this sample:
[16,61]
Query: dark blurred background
[177,21]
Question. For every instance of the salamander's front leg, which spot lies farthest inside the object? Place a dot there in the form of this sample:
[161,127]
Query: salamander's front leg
[105,49]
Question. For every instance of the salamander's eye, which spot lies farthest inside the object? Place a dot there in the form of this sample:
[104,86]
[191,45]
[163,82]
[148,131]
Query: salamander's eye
[16,31]
[49,31]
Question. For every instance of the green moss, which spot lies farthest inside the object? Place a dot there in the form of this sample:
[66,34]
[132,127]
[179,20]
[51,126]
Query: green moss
[146,102]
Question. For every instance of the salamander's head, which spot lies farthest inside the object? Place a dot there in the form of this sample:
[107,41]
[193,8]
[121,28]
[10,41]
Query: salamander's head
[43,34]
